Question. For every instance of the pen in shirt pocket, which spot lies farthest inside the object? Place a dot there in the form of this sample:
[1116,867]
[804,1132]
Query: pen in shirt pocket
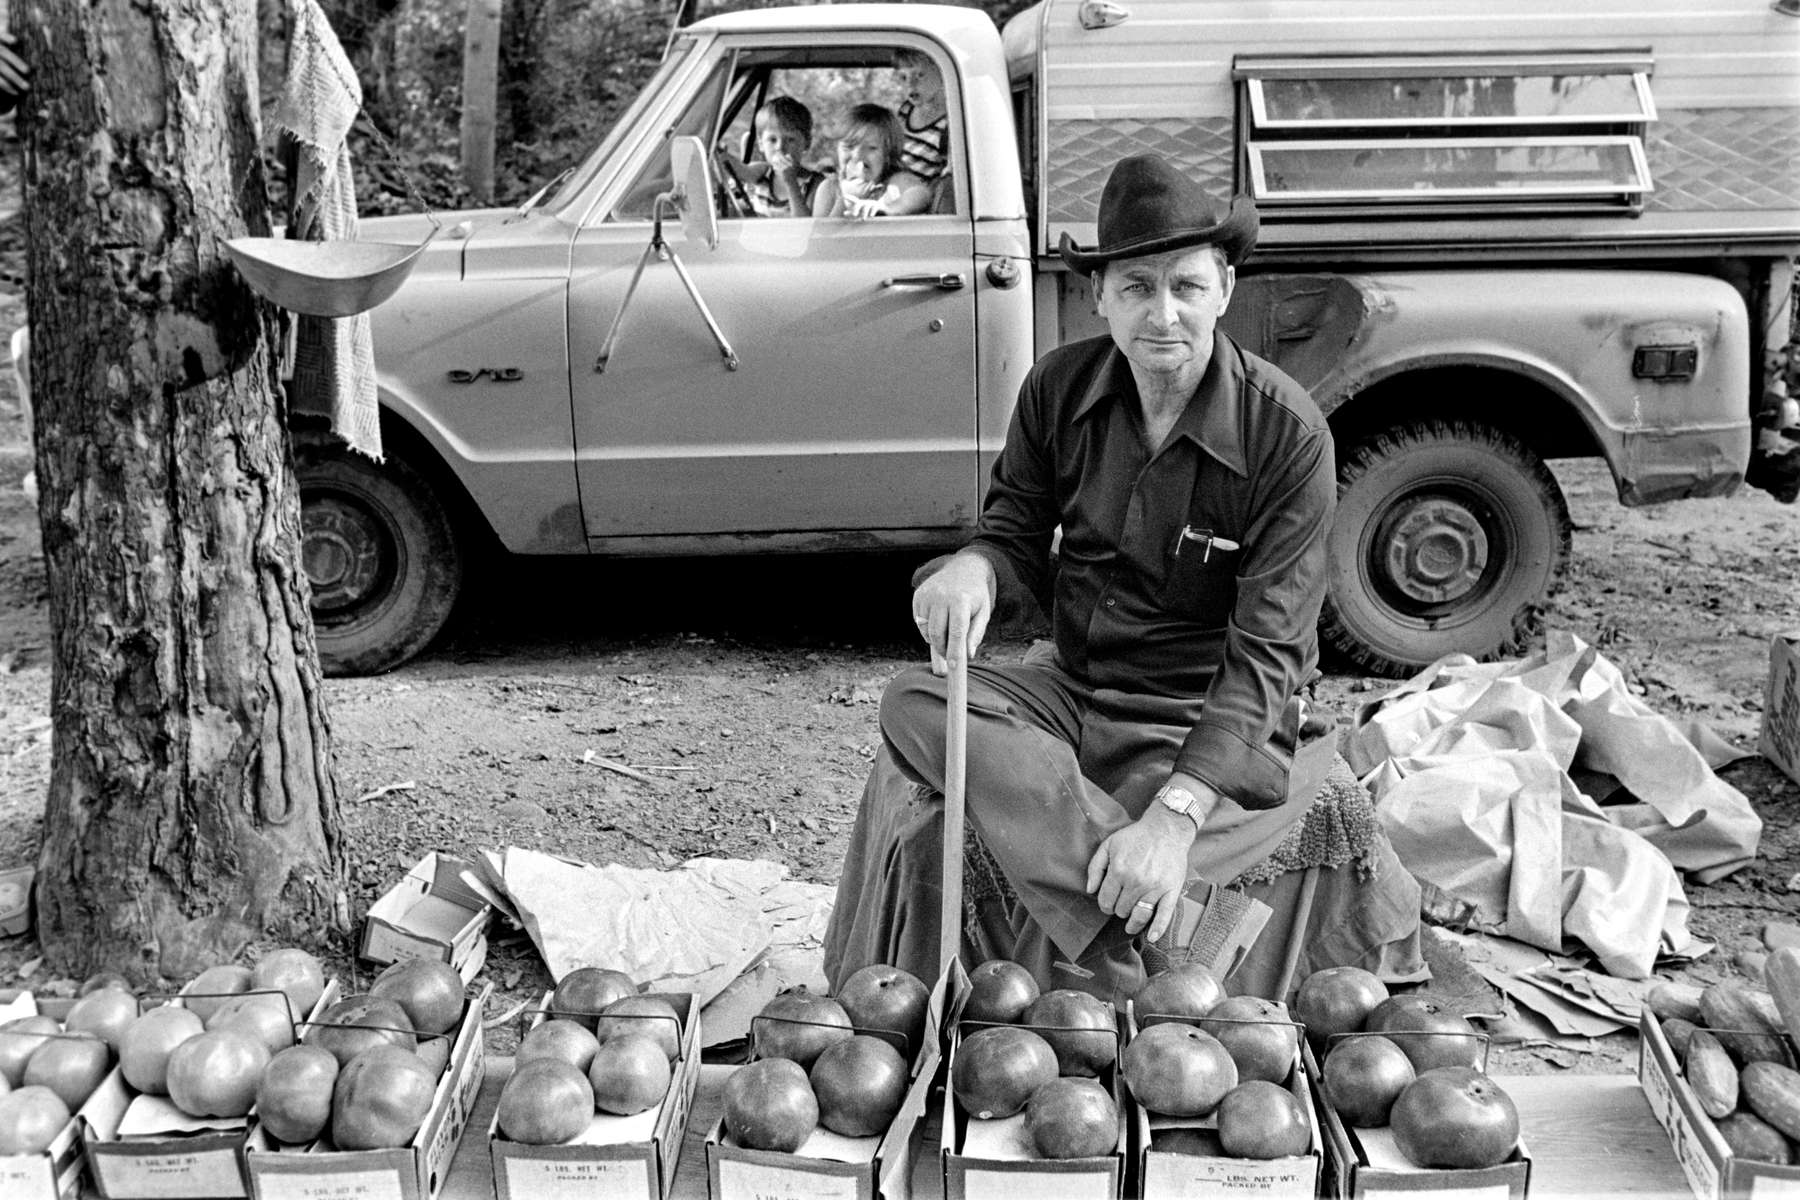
[1209,542]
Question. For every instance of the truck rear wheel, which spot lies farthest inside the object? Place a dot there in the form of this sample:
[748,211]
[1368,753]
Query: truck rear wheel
[381,555]
[1448,537]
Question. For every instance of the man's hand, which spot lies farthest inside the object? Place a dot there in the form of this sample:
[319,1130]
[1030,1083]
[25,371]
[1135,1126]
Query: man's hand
[952,609]
[1139,872]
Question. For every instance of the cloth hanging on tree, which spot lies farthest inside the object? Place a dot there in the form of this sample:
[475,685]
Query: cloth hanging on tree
[334,357]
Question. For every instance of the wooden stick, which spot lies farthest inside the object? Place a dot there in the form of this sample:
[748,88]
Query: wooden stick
[617,768]
[956,733]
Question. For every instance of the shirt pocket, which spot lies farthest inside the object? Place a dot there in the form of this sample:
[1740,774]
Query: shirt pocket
[1200,580]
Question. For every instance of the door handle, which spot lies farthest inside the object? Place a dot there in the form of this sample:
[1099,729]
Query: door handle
[950,281]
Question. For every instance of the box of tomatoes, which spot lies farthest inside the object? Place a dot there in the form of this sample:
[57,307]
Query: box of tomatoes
[46,1155]
[1221,1104]
[832,1102]
[599,1097]
[399,1158]
[1034,1103]
[141,1141]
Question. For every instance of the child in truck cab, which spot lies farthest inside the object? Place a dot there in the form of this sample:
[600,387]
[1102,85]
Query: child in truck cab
[870,181]
[779,185]
[924,120]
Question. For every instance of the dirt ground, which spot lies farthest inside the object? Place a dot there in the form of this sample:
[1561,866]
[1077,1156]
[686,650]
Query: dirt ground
[747,689]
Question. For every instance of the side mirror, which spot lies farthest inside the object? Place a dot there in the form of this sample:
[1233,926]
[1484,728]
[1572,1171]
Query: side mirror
[691,196]
[693,191]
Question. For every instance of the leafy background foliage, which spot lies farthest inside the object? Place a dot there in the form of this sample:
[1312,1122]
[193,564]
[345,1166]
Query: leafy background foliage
[568,68]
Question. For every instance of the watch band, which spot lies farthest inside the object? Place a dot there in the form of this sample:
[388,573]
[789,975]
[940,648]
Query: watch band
[1181,800]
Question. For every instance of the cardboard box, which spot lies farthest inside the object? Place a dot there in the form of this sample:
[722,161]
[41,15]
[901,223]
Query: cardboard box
[1712,1170]
[430,913]
[829,1166]
[415,1171]
[140,1147]
[53,1173]
[15,900]
[1165,1174]
[994,1159]
[1780,740]
[622,1157]
[1364,1162]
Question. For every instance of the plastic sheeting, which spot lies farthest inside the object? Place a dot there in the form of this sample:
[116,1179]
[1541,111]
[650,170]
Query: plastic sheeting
[1470,767]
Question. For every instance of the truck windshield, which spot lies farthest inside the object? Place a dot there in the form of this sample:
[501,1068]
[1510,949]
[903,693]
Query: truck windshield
[680,50]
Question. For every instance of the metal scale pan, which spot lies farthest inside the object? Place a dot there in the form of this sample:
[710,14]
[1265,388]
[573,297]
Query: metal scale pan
[324,279]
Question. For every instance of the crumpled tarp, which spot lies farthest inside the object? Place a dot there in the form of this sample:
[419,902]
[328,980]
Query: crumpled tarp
[1470,767]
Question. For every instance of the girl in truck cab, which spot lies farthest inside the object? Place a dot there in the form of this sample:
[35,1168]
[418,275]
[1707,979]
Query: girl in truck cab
[923,118]
[870,181]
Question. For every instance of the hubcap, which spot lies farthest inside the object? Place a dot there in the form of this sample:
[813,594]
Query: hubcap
[1436,550]
[342,550]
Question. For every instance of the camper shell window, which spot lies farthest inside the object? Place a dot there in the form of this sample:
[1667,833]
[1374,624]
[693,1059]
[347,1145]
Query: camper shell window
[1447,135]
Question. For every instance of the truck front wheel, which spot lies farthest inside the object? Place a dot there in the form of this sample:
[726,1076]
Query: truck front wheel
[1448,537]
[381,555]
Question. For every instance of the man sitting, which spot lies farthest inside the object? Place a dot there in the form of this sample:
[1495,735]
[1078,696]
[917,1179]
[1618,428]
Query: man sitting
[1111,776]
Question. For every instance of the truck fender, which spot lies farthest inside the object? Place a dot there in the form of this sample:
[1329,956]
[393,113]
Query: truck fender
[480,488]
[1555,358]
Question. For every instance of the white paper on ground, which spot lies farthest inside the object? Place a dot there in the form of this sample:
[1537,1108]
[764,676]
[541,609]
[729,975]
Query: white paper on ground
[1572,1000]
[692,929]
[728,1017]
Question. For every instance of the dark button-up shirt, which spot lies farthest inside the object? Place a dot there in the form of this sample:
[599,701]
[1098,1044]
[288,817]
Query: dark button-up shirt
[1194,570]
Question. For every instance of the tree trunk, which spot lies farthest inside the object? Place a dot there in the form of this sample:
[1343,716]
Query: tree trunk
[192,806]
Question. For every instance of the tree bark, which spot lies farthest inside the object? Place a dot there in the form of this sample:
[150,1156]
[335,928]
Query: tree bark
[192,806]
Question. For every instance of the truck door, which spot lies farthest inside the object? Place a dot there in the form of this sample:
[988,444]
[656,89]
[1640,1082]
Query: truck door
[848,404]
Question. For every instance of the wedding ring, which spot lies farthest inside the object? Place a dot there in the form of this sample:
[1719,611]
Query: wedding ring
[1143,904]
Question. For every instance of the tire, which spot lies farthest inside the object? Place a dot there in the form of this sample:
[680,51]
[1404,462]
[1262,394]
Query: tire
[381,555]
[1449,537]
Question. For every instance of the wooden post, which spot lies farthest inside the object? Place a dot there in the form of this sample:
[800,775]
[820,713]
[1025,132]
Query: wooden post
[481,72]
[956,762]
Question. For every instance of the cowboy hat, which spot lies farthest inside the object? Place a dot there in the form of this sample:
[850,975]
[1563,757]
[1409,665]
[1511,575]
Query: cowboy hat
[1148,207]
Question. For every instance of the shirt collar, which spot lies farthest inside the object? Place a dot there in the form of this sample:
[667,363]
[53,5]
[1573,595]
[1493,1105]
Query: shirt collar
[1213,419]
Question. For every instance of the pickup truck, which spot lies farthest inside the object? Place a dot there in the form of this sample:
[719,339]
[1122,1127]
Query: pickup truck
[1493,235]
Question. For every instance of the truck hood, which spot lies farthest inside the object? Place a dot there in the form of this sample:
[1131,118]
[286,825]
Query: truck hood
[498,236]
[412,227]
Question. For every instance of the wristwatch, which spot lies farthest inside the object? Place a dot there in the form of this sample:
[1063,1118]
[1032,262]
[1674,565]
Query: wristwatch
[1179,799]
